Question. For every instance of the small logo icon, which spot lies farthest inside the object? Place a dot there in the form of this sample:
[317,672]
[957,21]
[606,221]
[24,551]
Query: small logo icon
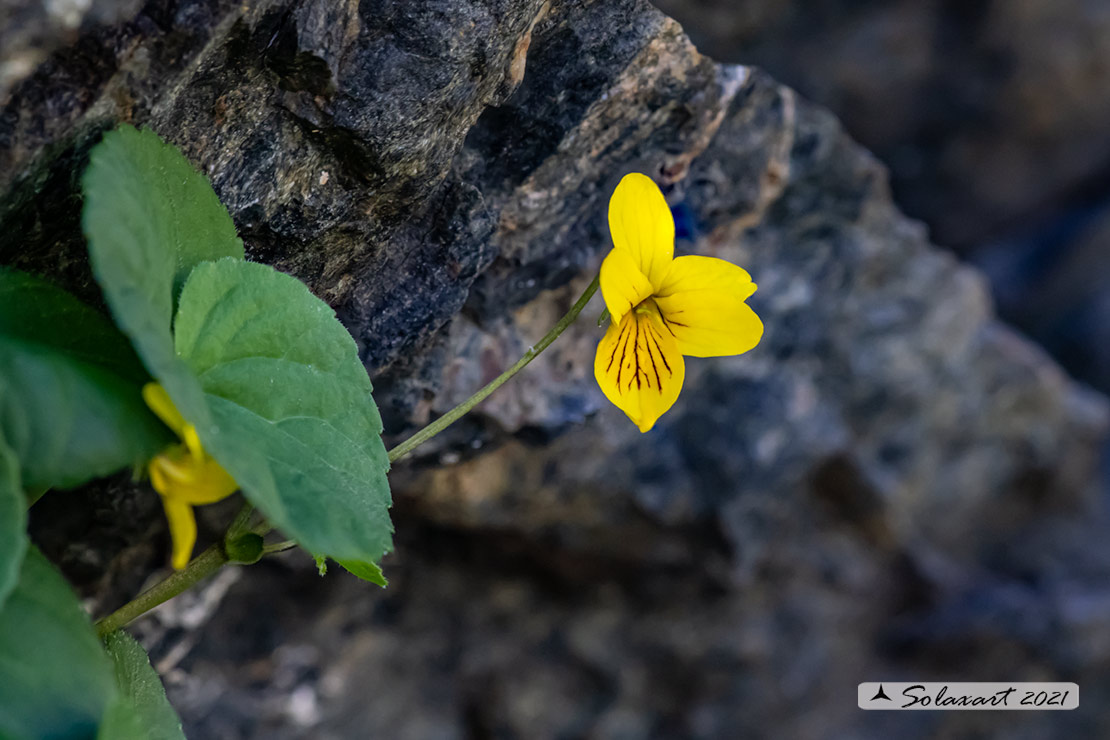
[967,695]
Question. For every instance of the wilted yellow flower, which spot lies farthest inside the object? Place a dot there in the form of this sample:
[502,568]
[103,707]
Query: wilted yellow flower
[184,475]
[663,308]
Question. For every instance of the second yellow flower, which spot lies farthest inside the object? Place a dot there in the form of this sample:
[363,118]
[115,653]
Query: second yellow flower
[663,308]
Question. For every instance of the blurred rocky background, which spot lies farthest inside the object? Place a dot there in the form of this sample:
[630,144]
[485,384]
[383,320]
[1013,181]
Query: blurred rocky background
[895,485]
[992,117]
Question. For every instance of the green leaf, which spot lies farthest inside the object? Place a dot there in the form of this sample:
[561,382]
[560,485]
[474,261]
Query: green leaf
[72,409]
[35,311]
[120,722]
[13,522]
[141,710]
[294,420]
[55,680]
[150,218]
[365,571]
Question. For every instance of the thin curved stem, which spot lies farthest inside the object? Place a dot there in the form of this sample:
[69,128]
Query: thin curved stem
[459,411]
[215,557]
[202,566]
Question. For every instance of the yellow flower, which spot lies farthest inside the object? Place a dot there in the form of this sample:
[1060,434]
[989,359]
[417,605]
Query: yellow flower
[184,475]
[663,308]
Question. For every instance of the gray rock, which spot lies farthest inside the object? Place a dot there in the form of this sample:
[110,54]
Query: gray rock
[30,30]
[891,485]
[992,119]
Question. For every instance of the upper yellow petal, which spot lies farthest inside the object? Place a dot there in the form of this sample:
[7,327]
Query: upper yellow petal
[702,302]
[638,366]
[192,441]
[641,224]
[622,284]
[160,403]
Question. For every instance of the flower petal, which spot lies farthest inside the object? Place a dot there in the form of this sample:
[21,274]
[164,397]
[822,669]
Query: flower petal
[192,441]
[639,367]
[641,224]
[622,284]
[183,530]
[702,302]
[213,483]
[159,402]
[177,474]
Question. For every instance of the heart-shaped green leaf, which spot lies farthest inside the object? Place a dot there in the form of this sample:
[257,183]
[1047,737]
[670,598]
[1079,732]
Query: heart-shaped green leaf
[150,218]
[293,417]
[70,403]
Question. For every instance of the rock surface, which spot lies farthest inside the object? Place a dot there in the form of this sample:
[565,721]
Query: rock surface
[992,117]
[893,485]
[31,29]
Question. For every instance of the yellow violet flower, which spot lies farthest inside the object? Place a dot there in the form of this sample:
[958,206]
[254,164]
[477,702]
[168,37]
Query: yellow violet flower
[662,308]
[184,475]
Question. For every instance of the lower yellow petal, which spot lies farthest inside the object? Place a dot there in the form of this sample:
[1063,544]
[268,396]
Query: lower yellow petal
[178,474]
[703,308]
[184,476]
[213,484]
[638,366]
[183,530]
[623,286]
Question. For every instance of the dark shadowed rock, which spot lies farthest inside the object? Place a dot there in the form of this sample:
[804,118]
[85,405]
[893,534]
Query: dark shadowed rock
[891,484]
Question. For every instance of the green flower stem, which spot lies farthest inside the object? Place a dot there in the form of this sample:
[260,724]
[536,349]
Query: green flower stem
[459,411]
[278,547]
[239,525]
[204,565]
[214,558]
